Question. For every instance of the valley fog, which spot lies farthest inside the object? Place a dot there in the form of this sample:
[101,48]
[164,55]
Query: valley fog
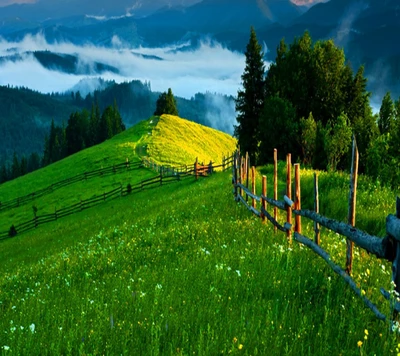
[207,68]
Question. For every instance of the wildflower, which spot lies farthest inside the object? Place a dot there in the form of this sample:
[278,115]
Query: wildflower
[32,328]
[240,346]
[159,286]
[234,340]
[362,291]
[238,272]
[368,271]
[366,332]
[6,348]
[359,344]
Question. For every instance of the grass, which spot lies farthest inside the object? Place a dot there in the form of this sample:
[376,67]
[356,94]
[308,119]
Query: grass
[178,142]
[182,269]
[148,135]
[201,276]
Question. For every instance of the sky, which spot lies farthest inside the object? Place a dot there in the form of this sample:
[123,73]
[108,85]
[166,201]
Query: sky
[298,2]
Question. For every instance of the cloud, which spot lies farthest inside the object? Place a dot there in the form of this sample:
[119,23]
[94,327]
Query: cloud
[208,68]
[345,28]
[307,2]
[10,2]
[221,112]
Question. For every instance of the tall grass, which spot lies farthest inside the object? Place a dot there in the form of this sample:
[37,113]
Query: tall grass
[201,276]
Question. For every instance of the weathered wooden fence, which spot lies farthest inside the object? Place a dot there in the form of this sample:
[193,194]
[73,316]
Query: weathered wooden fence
[165,176]
[197,169]
[385,248]
[19,201]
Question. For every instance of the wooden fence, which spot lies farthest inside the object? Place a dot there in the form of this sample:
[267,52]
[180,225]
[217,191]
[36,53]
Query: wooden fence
[165,176]
[197,169]
[22,200]
[385,248]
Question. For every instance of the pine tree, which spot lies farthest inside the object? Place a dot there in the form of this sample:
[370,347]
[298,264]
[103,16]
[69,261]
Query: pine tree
[171,107]
[15,167]
[250,100]
[4,173]
[166,104]
[386,114]
[161,104]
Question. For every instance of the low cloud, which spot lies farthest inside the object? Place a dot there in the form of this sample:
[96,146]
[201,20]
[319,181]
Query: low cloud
[221,112]
[345,28]
[208,68]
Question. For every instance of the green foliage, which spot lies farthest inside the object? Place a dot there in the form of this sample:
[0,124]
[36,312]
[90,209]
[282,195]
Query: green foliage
[386,114]
[166,104]
[308,128]
[315,78]
[200,276]
[278,116]
[250,100]
[337,140]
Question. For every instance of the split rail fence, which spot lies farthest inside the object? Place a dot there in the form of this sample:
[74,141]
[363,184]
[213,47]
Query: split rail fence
[19,201]
[384,248]
[166,175]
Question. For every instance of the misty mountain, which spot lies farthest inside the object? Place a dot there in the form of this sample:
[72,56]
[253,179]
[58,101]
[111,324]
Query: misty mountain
[50,9]
[82,30]
[61,62]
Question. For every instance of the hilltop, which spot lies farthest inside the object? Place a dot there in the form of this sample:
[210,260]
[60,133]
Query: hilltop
[176,141]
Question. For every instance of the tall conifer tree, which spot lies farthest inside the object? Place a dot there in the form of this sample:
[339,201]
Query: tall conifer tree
[250,100]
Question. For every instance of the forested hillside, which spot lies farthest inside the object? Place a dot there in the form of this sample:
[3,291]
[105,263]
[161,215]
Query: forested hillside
[26,115]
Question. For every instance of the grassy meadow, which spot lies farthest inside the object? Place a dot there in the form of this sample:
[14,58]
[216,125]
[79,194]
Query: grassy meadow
[182,269]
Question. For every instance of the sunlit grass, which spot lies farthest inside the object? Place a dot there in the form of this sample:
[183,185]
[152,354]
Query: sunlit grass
[201,276]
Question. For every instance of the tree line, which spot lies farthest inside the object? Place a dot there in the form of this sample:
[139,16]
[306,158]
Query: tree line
[310,103]
[84,129]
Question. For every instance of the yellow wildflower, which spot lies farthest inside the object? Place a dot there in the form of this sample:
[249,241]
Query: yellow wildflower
[240,347]
[359,344]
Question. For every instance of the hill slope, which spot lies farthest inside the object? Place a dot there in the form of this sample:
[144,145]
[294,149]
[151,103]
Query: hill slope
[163,137]
[176,141]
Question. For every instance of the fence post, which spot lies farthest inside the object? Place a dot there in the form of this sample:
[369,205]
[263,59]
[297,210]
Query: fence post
[247,166]
[196,168]
[275,185]
[289,193]
[396,262]
[298,196]
[235,175]
[352,204]
[263,201]
[317,238]
[253,185]
[240,173]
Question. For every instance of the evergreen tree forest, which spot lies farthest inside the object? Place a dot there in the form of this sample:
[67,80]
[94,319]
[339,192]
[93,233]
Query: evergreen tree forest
[310,103]
[84,129]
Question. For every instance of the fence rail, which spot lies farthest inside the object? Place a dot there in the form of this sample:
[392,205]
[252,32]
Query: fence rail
[165,177]
[385,248]
[22,200]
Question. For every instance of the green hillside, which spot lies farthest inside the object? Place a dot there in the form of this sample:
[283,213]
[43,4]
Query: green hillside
[177,141]
[164,137]
[181,269]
